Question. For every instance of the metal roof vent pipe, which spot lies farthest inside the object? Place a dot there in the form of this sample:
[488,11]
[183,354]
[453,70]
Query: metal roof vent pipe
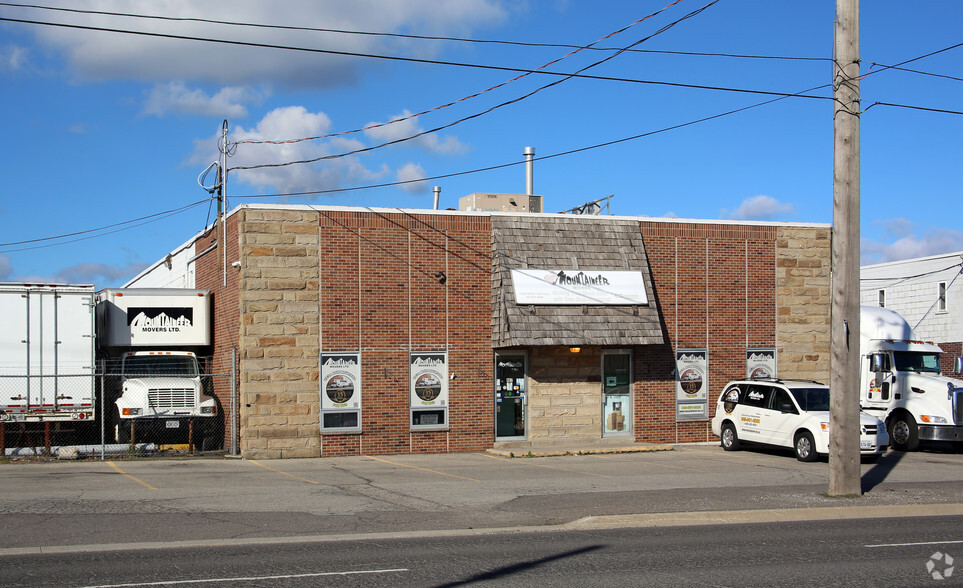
[529,153]
[437,190]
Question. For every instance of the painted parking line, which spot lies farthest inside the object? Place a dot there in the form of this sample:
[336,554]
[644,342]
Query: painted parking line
[538,465]
[914,544]
[284,473]
[253,578]
[422,469]
[126,475]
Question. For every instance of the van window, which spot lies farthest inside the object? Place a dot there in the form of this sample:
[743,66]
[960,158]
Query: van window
[810,399]
[782,402]
[757,396]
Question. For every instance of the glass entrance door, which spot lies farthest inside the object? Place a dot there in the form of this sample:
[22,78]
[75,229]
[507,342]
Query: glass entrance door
[617,393]
[511,395]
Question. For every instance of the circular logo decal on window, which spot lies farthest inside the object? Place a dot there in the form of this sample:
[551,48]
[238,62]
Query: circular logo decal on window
[339,388]
[731,400]
[691,381]
[427,386]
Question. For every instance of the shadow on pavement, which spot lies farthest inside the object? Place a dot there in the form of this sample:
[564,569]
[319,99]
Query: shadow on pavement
[875,476]
[506,571]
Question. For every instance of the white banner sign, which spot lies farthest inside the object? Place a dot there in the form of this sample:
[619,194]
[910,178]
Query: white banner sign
[429,379]
[691,384]
[543,286]
[340,381]
[761,363]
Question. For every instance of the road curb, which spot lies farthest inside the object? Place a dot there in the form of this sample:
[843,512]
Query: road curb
[673,519]
[726,517]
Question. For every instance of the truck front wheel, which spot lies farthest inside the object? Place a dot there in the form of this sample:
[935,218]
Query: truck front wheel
[904,435]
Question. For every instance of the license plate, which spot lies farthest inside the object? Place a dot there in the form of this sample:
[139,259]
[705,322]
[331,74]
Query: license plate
[867,445]
[173,424]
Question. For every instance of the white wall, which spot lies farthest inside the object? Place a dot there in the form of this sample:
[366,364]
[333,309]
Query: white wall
[911,288]
[175,271]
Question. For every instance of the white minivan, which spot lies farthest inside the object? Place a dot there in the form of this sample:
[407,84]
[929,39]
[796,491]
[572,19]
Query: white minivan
[787,413]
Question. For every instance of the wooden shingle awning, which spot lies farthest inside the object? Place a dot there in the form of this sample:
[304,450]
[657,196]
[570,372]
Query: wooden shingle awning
[584,248]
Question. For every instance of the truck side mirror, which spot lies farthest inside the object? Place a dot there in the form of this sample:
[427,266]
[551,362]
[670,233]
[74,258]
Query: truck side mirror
[876,363]
[958,365]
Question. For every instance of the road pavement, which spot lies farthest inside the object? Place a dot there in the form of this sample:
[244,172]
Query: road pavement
[63,507]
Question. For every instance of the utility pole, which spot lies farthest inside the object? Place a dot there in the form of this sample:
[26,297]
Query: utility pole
[221,195]
[844,474]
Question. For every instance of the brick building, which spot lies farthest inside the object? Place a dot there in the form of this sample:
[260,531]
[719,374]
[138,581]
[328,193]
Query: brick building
[385,331]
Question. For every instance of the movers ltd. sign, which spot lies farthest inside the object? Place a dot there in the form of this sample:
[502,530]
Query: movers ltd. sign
[598,287]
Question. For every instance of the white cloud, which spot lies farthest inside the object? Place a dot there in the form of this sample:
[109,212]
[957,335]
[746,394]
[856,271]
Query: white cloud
[87,273]
[409,127]
[934,241]
[77,129]
[284,123]
[12,58]
[897,227]
[100,274]
[177,97]
[760,208]
[6,269]
[409,172]
[99,56]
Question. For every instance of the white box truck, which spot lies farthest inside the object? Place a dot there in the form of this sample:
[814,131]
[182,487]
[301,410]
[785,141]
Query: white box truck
[46,352]
[902,384]
[151,339]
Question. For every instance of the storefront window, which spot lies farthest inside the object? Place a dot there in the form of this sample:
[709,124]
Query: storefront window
[511,390]
[616,393]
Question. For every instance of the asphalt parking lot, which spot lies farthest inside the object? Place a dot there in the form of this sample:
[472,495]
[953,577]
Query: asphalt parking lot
[125,502]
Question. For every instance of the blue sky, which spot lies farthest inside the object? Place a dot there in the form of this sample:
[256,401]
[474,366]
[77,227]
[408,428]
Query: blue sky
[102,128]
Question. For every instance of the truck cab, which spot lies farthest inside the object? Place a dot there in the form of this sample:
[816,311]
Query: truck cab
[161,384]
[902,384]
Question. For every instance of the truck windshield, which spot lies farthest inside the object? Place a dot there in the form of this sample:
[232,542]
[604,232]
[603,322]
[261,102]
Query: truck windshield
[184,366]
[909,361]
[810,399]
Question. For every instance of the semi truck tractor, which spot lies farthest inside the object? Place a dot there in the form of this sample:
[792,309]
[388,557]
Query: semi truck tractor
[47,353]
[902,385]
[151,341]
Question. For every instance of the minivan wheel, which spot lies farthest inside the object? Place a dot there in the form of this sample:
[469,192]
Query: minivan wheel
[805,447]
[730,440]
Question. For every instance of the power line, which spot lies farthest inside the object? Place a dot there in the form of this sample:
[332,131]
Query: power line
[538,158]
[141,221]
[405,36]
[922,73]
[478,114]
[475,95]
[939,110]
[395,57]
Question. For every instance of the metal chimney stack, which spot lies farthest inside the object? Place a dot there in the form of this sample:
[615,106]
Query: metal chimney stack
[437,190]
[529,153]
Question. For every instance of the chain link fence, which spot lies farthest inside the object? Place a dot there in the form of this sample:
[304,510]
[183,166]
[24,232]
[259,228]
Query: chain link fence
[138,405]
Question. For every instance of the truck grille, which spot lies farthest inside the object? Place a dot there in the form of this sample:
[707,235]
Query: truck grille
[958,406]
[171,398]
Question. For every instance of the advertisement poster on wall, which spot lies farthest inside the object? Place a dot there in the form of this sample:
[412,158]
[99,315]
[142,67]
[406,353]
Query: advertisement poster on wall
[429,379]
[761,362]
[340,381]
[691,384]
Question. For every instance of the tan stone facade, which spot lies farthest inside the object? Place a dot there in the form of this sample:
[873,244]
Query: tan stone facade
[565,395]
[278,344]
[803,302]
